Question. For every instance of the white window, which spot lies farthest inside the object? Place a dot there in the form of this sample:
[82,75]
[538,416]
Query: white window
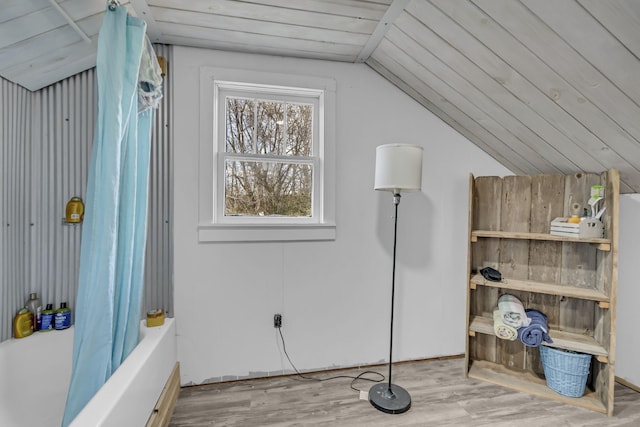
[267,155]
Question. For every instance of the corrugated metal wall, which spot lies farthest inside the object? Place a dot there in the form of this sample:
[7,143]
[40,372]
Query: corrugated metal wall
[46,146]
[159,258]
[14,247]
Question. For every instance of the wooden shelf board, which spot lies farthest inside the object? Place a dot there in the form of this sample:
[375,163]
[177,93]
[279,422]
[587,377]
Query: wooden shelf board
[561,339]
[529,383]
[543,288]
[603,244]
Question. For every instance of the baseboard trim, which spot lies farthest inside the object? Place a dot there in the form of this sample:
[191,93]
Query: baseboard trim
[628,384]
[333,370]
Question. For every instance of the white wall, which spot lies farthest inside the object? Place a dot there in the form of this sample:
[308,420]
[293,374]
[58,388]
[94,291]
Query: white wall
[627,342]
[334,296]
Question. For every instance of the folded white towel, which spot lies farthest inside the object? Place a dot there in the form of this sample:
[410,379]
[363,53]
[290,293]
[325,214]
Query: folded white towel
[502,330]
[512,310]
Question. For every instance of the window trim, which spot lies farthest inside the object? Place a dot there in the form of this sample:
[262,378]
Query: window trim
[247,229]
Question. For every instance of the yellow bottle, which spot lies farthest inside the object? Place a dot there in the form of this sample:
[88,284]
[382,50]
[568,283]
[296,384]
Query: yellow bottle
[23,323]
[75,210]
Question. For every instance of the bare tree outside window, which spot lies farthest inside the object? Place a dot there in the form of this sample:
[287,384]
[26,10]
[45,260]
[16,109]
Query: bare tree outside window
[272,174]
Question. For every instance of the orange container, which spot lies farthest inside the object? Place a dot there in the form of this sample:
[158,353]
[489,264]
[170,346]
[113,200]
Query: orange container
[75,210]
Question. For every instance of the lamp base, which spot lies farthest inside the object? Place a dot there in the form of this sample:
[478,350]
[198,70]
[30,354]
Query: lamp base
[391,399]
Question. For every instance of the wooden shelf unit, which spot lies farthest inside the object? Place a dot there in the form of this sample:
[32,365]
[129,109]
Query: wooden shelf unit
[571,280]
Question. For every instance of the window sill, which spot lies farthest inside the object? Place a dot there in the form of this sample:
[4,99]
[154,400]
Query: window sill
[266,232]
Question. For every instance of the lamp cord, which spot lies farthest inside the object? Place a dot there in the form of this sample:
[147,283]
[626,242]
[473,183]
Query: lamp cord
[360,376]
[396,202]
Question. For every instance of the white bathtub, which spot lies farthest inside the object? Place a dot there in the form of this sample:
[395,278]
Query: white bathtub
[35,373]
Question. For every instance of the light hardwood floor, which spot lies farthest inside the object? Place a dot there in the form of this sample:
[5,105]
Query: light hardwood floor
[441,396]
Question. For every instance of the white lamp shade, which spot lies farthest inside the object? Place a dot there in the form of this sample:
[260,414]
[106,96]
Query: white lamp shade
[398,167]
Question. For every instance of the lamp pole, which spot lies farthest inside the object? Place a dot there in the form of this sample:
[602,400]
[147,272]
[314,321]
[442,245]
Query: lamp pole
[389,397]
[396,202]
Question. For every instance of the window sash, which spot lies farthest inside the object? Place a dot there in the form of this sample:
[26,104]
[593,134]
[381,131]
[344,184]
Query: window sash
[219,202]
[311,161]
[314,97]
[252,142]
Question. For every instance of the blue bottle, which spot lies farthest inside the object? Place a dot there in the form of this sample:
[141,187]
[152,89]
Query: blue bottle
[47,319]
[62,317]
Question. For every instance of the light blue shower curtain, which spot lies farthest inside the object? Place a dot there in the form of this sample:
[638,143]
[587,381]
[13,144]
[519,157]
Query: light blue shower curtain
[110,282]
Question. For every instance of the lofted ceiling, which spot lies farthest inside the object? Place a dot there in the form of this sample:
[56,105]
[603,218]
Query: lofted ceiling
[542,86]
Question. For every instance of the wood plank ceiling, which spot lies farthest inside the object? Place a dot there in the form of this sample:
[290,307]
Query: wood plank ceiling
[542,86]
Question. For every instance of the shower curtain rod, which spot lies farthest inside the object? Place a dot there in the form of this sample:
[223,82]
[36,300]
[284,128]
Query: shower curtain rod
[113,4]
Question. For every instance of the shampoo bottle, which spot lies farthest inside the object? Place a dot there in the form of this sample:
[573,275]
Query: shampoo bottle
[23,323]
[47,319]
[74,212]
[63,317]
[33,304]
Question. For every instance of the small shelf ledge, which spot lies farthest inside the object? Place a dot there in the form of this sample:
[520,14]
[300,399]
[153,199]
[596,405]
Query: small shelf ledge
[602,244]
[530,383]
[561,339]
[543,288]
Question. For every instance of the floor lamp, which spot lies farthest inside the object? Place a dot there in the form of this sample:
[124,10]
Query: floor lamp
[398,168]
